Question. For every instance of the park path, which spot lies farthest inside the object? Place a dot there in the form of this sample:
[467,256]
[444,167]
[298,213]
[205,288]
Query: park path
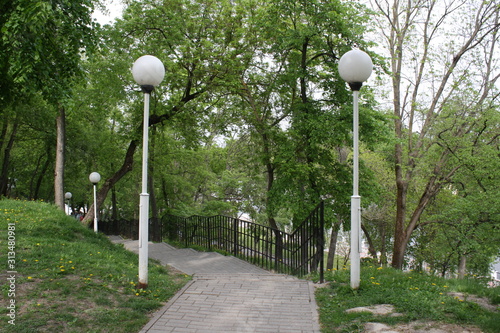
[227,294]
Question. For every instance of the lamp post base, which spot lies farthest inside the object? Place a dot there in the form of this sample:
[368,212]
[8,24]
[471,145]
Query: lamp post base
[141,285]
[143,240]
[355,249]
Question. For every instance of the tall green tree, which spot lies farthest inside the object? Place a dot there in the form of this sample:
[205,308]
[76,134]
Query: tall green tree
[430,64]
[42,45]
[291,96]
[260,65]
[465,223]
[198,43]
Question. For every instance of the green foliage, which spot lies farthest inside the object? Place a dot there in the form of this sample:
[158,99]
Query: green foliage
[42,44]
[69,278]
[251,117]
[463,221]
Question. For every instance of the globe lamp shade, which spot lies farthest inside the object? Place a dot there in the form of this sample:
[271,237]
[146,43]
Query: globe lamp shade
[94,177]
[68,195]
[148,71]
[355,66]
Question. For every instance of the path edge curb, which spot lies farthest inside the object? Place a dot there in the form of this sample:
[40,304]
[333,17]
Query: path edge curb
[157,316]
[314,307]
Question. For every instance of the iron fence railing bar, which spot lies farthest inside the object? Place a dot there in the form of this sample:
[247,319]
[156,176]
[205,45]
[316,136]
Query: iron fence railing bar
[298,253]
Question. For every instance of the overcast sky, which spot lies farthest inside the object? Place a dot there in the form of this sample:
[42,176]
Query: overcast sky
[114,9]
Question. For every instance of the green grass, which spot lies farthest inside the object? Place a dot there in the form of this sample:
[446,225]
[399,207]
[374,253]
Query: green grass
[70,279]
[417,296]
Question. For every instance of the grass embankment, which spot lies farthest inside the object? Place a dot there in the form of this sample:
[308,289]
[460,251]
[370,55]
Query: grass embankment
[69,279]
[416,296]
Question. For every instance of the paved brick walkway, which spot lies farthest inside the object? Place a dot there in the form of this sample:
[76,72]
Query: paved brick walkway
[230,295]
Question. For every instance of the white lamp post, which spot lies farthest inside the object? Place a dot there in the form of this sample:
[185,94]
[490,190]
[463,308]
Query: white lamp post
[355,67]
[68,196]
[94,178]
[148,71]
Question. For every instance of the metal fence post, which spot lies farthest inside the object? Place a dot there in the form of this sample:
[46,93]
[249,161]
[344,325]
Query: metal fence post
[235,237]
[209,232]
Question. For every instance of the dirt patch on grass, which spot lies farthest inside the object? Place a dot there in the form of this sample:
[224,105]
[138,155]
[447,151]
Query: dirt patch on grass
[420,327]
[481,301]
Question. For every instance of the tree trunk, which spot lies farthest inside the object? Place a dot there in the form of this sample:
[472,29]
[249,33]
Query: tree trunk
[59,168]
[114,205]
[269,208]
[399,230]
[156,227]
[371,247]
[403,235]
[383,246]
[114,212]
[4,178]
[462,266]
[41,175]
[156,230]
[332,248]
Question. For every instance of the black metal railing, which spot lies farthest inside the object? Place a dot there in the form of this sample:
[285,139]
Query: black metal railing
[125,228]
[130,228]
[298,253]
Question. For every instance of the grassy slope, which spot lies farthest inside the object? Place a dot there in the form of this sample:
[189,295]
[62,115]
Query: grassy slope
[70,279]
[416,296]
